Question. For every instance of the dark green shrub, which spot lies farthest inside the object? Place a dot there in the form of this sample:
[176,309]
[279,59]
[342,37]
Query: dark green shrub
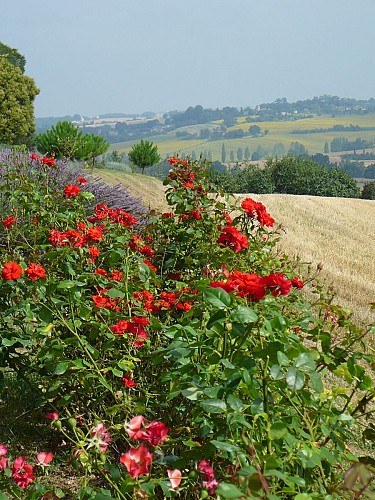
[368,191]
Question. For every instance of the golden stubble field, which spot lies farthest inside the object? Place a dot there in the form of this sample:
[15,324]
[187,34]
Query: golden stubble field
[338,232]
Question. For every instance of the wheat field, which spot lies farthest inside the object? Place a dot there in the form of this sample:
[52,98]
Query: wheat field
[337,232]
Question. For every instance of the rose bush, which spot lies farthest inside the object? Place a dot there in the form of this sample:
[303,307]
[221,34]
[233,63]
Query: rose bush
[177,358]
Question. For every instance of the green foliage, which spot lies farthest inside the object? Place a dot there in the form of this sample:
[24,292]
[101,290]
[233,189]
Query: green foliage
[17,94]
[144,154]
[290,176]
[368,191]
[65,140]
[301,175]
[12,56]
[261,390]
[249,179]
[297,149]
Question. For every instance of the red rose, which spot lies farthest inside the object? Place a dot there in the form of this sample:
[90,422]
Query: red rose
[35,271]
[11,271]
[71,191]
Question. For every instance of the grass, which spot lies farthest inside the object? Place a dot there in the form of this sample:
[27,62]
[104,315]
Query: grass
[338,232]
[279,132]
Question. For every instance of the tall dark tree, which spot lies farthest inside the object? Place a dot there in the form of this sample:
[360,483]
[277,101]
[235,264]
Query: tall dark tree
[231,155]
[247,153]
[223,153]
[239,154]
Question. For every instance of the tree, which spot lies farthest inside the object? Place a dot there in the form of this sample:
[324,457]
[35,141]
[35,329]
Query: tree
[17,94]
[297,149]
[239,154]
[368,191]
[12,56]
[247,153]
[326,148]
[300,175]
[65,140]
[278,149]
[254,130]
[144,154]
[231,155]
[223,153]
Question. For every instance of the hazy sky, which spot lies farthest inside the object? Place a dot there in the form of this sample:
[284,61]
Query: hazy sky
[98,56]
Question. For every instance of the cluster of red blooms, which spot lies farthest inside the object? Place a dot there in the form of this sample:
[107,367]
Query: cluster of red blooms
[193,214]
[115,275]
[210,483]
[13,271]
[254,287]
[49,162]
[71,190]
[101,300]
[135,327]
[75,238]
[23,473]
[183,174]
[9,221]
[117,216]
[232,238]
[138,244]
[138,460]
[166,300]
[258,211]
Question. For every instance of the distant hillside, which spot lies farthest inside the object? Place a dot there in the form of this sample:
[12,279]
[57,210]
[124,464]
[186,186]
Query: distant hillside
[338,232]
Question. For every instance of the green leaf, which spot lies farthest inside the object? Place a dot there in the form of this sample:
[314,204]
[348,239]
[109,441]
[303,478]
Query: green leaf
[243,314]
[276,372]
[213,405]
[235,403]
[278,430]
[305,362]
[61,367]
[148,487]
[228,490]
[114,471]
[247,471]
[225,446]
[219,317]
[191,393]
[295,379]
[217,297]
[114,294]
[282,359]
[316,382]
[227,364]
[65,284]
[45,315]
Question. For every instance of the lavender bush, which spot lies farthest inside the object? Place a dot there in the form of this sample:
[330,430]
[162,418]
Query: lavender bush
[66,173]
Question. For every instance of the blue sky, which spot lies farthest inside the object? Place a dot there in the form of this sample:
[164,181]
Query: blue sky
[93,56]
